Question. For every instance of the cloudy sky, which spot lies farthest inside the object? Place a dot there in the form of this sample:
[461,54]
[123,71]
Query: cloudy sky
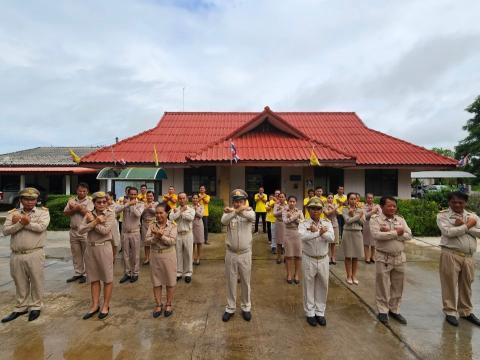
[83,72]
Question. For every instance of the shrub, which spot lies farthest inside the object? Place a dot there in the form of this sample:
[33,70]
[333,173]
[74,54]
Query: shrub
[56,204]
[474,203]
[420,215]
[215,212]
[440,197]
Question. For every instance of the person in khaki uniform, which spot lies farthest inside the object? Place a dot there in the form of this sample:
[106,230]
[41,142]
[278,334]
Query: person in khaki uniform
[315,233]
[390,231]
[27,228]
[184,215]
[76,209]
[132,211]
[460,230]
[148,216]
[100,253]
[238,255]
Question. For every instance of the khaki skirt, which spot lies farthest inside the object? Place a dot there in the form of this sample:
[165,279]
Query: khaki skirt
[99,262]
[352,242]
[197,230]
[163,268]
[293,245]
[368,240]
[279,233]
[337,235]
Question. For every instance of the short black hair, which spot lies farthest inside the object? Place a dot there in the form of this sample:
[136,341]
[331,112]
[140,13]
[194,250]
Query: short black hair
[182,192]
[350,194]
[318,187]
[383,200]
[143,185]
[458,195]
[150,192]
[83,185]
[130,188]
[310,190]
[112,195]
[292,197]
[162,205]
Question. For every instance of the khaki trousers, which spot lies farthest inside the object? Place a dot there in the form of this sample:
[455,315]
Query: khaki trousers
[315,285]
[78,245]
[131,253]
[184,247]
[238,265]
[27,273]
[456,277]
[389,281]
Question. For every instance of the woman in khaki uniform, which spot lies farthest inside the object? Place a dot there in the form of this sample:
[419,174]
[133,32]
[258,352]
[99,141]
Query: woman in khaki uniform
[279,225]
[161,237]
[368,241]
[197,229]
[330,211]
[148,216]
[99,253]
[292,217]
[116,228]
[352,239]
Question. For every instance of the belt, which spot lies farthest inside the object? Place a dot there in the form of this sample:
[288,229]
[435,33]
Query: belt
[456,252]
[395,254]
[183,232]
[162,251]
[131,231]
[320,257]
[24,252]
[99,244]
[239,252]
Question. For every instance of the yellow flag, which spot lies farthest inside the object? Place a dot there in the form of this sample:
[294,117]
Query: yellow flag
[75,157]
[155,155]
[314,159]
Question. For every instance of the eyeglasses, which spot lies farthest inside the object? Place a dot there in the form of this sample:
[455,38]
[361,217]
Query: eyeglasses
[101,202]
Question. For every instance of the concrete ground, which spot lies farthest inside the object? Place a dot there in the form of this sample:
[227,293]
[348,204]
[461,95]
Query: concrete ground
[277,330]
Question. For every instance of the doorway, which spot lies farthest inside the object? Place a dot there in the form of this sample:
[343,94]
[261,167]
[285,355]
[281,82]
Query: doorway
[268,177]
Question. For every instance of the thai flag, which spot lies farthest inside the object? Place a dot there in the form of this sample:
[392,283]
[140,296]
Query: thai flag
[464,160]
[233,150]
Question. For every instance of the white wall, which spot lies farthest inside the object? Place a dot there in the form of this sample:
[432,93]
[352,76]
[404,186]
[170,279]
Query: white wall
[404,184]
[237,177]
[354,181]
[175,178]
[292,187]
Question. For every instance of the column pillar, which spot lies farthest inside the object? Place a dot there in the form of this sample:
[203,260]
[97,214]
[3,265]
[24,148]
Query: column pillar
[22,182]
[68,186]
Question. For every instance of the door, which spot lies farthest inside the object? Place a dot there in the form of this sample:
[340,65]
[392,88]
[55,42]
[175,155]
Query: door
[268,177]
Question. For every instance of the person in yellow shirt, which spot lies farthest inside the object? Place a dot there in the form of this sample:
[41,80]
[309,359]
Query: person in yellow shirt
[319,194]
[204,199]
[170,198]
[261,200]
[310,194]
[340,199]
[270,207]
[143,193]
[270,217]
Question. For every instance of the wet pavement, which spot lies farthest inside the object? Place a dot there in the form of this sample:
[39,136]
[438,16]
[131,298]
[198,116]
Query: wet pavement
[195,331]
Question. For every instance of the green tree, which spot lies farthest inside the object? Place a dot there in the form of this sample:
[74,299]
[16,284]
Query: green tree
[444,152]
[471,144]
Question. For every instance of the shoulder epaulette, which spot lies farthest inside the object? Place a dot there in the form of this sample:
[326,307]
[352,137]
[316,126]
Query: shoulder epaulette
[444,210]
[374,216]
[44,208]
[13,210]
[327,220]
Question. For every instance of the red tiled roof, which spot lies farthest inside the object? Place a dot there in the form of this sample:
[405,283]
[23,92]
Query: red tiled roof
[204,136]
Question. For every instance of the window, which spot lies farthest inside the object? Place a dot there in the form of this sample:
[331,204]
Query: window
[204,175]
[328,178]
[381,182]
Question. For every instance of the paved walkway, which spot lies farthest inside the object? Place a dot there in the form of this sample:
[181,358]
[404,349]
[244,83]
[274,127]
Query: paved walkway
[278,329]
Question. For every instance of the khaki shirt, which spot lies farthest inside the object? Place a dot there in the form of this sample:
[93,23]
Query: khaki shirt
[354,222]
[131,216]
[99,233]
[278,211]
[239,230]
[77,218]
[27,237]
[314,244]
[458,238]
[184,219]
[165,241]
[389,241]
[292,218]
[148,214]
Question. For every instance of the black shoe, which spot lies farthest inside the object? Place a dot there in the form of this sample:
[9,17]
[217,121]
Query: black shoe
[14,315]
[90,314]
[367,261]
[334,263]
[330,263]
[102,315]
[452,320]
[226,316]
[82,280]
[125,278]
[74,278]
[383,318]
[398,317]
[179,278]
[321,320]
[134,278]
[372,261]
[206,243]
[279,261]
[296,281]
[290,281]
[34,314]
[247,315]
[274,251]
[473,319]
[188,279]
[157,314]
[311,321]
